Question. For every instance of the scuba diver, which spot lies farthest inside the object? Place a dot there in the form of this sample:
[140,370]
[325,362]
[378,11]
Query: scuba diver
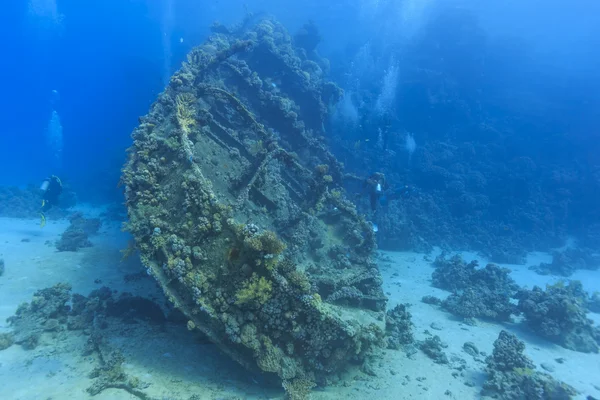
[403,192]
[374,186]
[380,194]
[52,188]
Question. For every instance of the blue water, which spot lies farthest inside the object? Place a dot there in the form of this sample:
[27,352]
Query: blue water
[108,60]
[484,117]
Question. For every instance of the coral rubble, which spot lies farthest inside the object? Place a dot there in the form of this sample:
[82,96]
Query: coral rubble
[56,309]
[237,208]
[55,312]
[47,312]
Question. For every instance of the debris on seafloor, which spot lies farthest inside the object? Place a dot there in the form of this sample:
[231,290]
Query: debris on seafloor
[110,373]
[433,348]
[238,210]
[98,317]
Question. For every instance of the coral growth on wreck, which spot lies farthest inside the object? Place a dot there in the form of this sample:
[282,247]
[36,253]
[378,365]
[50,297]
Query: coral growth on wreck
[238,210]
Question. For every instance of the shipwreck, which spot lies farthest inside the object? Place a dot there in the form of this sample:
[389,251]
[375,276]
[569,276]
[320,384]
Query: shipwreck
[238,211]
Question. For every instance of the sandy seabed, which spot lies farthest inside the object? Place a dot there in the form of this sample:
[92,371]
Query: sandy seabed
[175,364]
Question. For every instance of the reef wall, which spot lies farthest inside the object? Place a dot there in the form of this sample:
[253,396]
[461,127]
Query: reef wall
[237,209]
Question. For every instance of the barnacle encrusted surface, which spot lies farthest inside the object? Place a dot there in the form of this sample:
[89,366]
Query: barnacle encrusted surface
[237,209]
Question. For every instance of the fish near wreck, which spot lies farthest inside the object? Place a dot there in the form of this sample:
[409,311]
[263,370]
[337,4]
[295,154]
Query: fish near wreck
[230,191]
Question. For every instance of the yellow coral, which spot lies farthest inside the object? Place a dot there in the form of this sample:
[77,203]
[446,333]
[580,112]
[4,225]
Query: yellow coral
[322,169]
[185,111]
[268,247]
[336,194]
[257,147]
[299,280]
[129,250]
[253,243]
[317,298]
[524,371]
[270,243]
[255,290]
[298,389]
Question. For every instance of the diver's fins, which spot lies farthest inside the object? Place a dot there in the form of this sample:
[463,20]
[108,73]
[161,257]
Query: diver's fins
[42,220]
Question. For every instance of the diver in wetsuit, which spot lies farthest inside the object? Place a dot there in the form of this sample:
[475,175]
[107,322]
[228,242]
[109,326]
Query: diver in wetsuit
[374,186]
[380,194]
[52,188]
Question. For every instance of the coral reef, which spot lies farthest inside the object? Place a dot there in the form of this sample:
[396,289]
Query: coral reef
[477,293]
[77,234]
[26,203]
[511,375]
[237,209]
[482,175]
[565,263]
[398,326]
[453,274]
[559,315]
[255,290]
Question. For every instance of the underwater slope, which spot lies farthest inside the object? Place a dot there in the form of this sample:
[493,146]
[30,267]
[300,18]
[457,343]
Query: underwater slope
[237,209]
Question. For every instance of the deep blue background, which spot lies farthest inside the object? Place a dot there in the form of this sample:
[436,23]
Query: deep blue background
[107,60]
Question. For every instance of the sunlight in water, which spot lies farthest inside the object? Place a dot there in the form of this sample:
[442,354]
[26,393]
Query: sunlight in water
[54,139]
[46,13]
[413,14]
[388,91]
